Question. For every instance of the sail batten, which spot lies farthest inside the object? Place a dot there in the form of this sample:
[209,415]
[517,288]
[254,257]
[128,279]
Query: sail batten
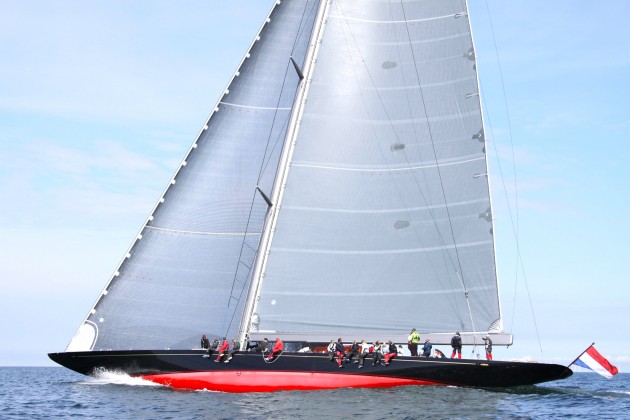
[189,232]
[393,22]
[381,251]
[391,122]
[255,107]
[445,162]
[380,293]
[392,210]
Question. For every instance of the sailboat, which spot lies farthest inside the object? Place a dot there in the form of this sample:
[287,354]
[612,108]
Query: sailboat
[339,188]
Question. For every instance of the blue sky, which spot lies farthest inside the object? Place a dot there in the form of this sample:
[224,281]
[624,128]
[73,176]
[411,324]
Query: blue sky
[99,102]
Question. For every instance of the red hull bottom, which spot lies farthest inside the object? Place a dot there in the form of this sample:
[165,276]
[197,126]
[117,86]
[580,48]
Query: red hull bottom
[260,381]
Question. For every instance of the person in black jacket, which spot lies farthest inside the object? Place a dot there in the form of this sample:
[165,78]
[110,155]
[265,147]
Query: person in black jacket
[392,351]
[354,351]
[211,347]
[456,343]
[236,346]
[260,346]
[205,343]
[488,346]
[340,351]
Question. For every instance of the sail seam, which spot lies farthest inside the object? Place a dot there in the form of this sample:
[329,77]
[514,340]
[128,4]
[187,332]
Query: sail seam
[427,41]
[403,210]
[383,251]
[378,294]
[390,122]
[192,232]
[413,87]
[406,169]
[255,107]
[458,269]
[391,21]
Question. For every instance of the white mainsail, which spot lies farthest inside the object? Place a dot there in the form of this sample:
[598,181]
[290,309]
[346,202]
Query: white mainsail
[381,217]
[385,218]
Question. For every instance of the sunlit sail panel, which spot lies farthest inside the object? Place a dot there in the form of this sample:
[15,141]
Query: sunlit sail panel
[188,272]
[385,219]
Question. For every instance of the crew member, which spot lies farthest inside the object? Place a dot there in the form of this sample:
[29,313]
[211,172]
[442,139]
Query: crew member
[340,351]
[488,345]
[354,351]
[426,349]
[412,342]
[205,343]
[235,347]
[365,351]
[331,350]
[456,343]
[277,349]
[392,351]
[225,346]
[378,353]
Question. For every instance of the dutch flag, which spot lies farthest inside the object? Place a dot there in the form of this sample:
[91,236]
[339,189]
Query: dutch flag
[591,359]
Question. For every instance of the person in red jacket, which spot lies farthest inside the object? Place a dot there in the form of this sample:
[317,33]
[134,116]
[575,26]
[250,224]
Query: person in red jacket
[277,349]
[222,350]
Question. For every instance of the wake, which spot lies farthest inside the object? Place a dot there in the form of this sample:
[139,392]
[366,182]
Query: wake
[108,377]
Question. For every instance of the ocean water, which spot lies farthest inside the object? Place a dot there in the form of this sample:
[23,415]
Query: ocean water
[55,392]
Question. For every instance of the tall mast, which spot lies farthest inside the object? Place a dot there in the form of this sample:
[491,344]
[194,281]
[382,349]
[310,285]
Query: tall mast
[278,188]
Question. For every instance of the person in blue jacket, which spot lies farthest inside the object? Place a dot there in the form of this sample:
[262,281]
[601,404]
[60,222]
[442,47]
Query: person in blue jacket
[426,349]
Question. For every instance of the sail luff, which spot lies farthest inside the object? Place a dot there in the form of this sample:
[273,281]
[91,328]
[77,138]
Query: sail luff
[487,175]
[263,250]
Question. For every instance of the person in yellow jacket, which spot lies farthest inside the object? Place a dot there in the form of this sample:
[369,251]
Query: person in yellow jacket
[412,342]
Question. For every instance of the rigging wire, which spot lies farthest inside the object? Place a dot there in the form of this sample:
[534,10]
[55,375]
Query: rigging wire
[514,223]
[429,208]
[433,217]
[263,165]
[459,273]
[518,251]
[272,361]
[426,181]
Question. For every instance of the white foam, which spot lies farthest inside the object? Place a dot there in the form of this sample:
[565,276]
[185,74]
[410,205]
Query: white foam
[106,377]
[208,390]
[621,392]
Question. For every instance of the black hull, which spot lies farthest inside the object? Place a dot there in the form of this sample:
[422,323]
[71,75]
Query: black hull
[249,372]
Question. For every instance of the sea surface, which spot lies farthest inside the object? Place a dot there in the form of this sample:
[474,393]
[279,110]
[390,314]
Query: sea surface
[55,392]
